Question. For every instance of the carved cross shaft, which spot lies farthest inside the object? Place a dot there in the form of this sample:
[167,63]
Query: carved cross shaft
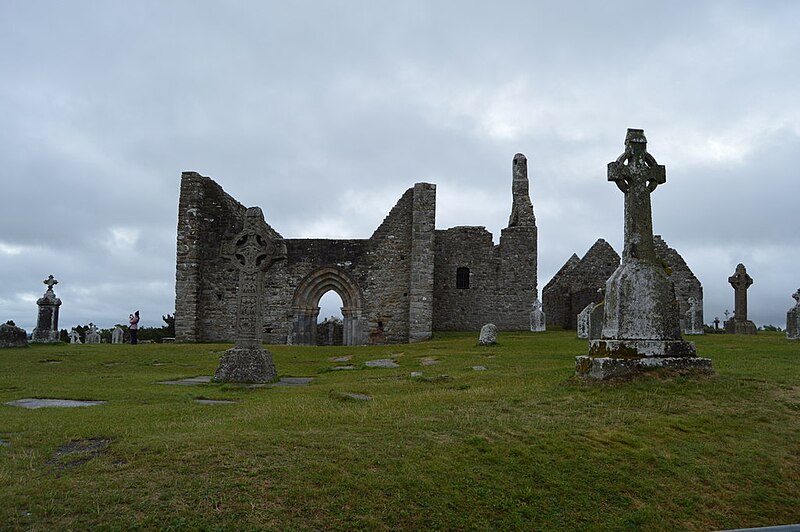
[637,174]
[740,281]
[255,251]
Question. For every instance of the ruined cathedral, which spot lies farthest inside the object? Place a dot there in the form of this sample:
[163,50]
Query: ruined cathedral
[399,285]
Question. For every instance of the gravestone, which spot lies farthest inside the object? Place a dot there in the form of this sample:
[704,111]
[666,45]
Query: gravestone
[537,317]
[488,334]
[740,281]
[693,325]
[12,336]
[793,319]
[254,250]
[596,321]
[46,330]
[92,336]
[117,335]
[641,321]
[583,320]
[716,323]
[74,337]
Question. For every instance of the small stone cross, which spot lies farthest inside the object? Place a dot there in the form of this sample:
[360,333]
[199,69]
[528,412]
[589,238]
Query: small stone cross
[796,297]
[740,281]
[637,174]
[50,282]
[716,322]
[727,313]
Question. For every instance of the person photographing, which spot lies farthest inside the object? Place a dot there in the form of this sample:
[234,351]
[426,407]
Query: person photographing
[134,327]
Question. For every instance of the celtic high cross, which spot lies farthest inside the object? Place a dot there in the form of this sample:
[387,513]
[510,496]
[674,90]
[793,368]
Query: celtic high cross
[740,281]
[637,174]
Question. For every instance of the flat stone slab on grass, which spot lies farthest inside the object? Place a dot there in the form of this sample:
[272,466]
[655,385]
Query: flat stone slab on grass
[479,368]
[343,368]
[57,403]
[191,381]
[351,396]
[382,363]
[428,361]
[345,358]
[293,381]
[215,401]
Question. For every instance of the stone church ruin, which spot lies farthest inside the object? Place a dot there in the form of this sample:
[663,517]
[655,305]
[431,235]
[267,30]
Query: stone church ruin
[399,285]
[577,283]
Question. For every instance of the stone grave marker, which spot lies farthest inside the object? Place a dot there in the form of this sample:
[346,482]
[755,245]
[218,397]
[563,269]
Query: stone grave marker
[641,321]
[793,319]
[46,330]
[116,335]
[92,336]
[255,251]
[74,337]
[583,320]
[538,321]
[740,281]
[12,336]
[488,335]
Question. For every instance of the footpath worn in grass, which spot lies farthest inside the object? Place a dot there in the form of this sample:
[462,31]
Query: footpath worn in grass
[519,445]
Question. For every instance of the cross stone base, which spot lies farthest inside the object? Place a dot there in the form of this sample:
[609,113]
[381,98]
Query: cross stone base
[641,348]
[601,368]
[44,336]
[744,327]
[246,364]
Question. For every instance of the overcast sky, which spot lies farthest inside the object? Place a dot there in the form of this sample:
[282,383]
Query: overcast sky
[324,113]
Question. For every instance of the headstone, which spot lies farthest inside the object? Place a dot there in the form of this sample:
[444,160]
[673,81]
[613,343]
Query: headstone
[716,323]
[74,337]
[596,321]
[12,336]
[46,330]
[488,334]
[641,321]
[537,317]
[793,319]
[254,252]
[693,325]
[116,335]
[583,320]
[92,336]
[740,281]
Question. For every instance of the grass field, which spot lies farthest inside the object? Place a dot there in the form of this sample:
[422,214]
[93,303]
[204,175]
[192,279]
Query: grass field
[521,445]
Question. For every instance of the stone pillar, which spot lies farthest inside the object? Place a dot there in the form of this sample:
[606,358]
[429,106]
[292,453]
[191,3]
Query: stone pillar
[641,322]
[793,319]
[538,321]
[420,293]
[741,281]
[46,330]
[253,252]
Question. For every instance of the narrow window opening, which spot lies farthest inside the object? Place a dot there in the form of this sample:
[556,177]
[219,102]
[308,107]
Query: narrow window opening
[462,277]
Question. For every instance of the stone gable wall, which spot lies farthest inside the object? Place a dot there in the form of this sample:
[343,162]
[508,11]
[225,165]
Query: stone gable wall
[686,284]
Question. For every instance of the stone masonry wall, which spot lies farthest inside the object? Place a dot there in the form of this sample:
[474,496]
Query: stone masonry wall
[686,284]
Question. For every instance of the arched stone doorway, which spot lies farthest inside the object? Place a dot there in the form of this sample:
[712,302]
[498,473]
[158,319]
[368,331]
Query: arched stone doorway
[305,306]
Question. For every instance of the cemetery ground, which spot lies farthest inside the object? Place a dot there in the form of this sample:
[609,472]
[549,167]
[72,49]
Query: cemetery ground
[498,437]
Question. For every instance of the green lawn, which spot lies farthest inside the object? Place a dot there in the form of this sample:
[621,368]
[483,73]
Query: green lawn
[521,445]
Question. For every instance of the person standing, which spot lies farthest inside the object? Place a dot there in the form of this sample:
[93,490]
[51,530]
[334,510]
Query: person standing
[134,327]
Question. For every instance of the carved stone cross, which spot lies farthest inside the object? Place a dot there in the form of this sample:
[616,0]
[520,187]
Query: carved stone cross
[637,174]
[796,297]
[740,282]
[254,252]
[50,282]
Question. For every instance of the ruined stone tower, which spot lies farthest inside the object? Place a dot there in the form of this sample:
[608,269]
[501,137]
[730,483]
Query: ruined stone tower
[399,285]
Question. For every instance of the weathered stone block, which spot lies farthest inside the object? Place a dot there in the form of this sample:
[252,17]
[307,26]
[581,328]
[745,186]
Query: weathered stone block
[246,365]
[793,319]
[12,336]
[488,334]
[602,368]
